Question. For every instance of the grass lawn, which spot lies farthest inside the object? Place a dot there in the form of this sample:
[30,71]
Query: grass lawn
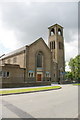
[77,84]
[28,90]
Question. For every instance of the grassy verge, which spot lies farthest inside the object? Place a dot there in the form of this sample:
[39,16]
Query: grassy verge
[77,84]
[28,90]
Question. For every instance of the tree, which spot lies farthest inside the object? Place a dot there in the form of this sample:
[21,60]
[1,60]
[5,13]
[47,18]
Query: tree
[75,67]
[72,67]
[69,75]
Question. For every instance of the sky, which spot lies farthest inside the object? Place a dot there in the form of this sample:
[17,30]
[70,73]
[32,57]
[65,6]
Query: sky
[23,22]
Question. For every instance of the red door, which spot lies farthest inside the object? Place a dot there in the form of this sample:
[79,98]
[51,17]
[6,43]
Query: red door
[38,77]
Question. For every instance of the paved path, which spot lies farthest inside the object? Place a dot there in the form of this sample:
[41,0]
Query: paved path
[27,87]
[62,103]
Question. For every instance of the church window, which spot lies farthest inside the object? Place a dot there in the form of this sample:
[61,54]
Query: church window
[47,74]
[52,45]
[59,32]
[39,59]
[4,74]
[52,32]
[8,74]
[31,74]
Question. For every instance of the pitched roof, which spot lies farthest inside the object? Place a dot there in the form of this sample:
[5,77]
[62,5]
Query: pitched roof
[22,49]
[40,39]
[14,52]
[55,25]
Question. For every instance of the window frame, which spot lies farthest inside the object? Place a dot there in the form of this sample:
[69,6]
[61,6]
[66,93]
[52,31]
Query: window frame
[4,74]
[39,61]
[30,74]
[8,75]
[47,74]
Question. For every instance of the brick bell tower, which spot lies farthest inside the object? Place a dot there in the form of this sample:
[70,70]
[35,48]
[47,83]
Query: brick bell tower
[56,45]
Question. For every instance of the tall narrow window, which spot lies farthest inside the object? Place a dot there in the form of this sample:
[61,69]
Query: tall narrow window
[8,74]
[54,45]
[60,45]
[39,59]
[4,74]
[29,74]
[59,32]
[52,32]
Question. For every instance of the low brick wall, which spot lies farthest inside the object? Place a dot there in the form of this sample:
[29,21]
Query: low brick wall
[66,82]
[14,85]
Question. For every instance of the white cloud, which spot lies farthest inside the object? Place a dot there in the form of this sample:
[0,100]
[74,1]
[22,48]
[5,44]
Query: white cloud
[22,23]
[26,1]
[71,48]
[8,39]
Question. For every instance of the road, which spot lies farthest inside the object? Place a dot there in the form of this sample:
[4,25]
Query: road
[62,103]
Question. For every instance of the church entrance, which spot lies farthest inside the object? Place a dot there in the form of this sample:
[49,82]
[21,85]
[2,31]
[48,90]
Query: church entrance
[38,77]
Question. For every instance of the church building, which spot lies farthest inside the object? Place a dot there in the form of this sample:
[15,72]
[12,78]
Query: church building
[35,64]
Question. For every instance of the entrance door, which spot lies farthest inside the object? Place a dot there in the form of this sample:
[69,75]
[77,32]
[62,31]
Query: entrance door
[38,77]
